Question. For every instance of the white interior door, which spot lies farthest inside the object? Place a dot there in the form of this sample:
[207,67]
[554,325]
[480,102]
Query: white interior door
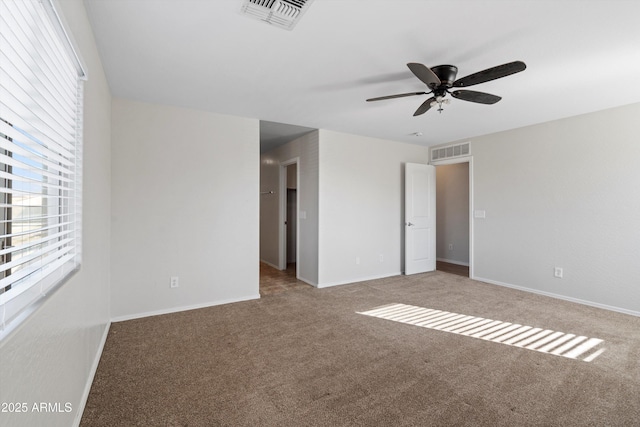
[420,218]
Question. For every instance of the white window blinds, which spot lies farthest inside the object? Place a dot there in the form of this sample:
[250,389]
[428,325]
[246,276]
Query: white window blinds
[40,156]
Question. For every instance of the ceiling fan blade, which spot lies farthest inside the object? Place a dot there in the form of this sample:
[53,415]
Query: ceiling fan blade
[473,96]
[491,74]
[424,73]
[400,95]
[424,107]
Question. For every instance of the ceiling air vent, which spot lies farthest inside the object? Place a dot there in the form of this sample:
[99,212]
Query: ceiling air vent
[450,151]
[281,13]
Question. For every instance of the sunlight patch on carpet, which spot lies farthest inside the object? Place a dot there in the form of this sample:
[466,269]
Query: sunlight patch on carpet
[538,339]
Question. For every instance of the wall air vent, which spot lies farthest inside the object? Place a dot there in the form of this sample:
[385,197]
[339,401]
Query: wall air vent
[281,13]
[450,151]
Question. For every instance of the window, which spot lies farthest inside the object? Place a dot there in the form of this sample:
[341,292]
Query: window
[40,157]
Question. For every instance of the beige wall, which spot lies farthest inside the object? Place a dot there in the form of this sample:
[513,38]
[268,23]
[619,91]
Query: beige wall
[185,203]
[52,356]
[562,194]
[361,199]
[351,189]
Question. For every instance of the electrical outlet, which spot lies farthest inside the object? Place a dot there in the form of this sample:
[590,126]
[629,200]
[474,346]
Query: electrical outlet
[174,282]
[357,260]
[557,272]
[450,246]
[381,258]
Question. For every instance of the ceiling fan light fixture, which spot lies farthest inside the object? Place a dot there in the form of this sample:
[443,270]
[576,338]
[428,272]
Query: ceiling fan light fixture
[439,101]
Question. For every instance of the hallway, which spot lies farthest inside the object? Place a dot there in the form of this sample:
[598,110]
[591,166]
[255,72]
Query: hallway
[274,281]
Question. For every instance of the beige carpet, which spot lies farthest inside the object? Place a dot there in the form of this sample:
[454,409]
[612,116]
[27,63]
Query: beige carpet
[307,358]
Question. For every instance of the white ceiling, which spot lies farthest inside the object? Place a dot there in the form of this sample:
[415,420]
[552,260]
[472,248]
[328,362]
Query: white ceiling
[581,56]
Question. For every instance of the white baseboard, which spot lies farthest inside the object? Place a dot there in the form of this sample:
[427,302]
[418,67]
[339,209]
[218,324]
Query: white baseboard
[451,261]
[92,374]
[562,297]
[307,281]
[183,308]
[359,279]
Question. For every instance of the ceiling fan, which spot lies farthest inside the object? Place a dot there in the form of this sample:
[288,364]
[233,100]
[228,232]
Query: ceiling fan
[441,78]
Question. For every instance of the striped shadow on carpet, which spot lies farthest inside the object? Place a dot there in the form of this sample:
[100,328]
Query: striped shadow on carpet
[538,339]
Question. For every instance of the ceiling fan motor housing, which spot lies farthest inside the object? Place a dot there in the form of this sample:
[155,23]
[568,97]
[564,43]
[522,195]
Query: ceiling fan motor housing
[446,73]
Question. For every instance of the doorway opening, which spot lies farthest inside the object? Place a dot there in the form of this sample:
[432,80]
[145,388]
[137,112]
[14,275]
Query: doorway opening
[282,275]
[453,217]
[281,151]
